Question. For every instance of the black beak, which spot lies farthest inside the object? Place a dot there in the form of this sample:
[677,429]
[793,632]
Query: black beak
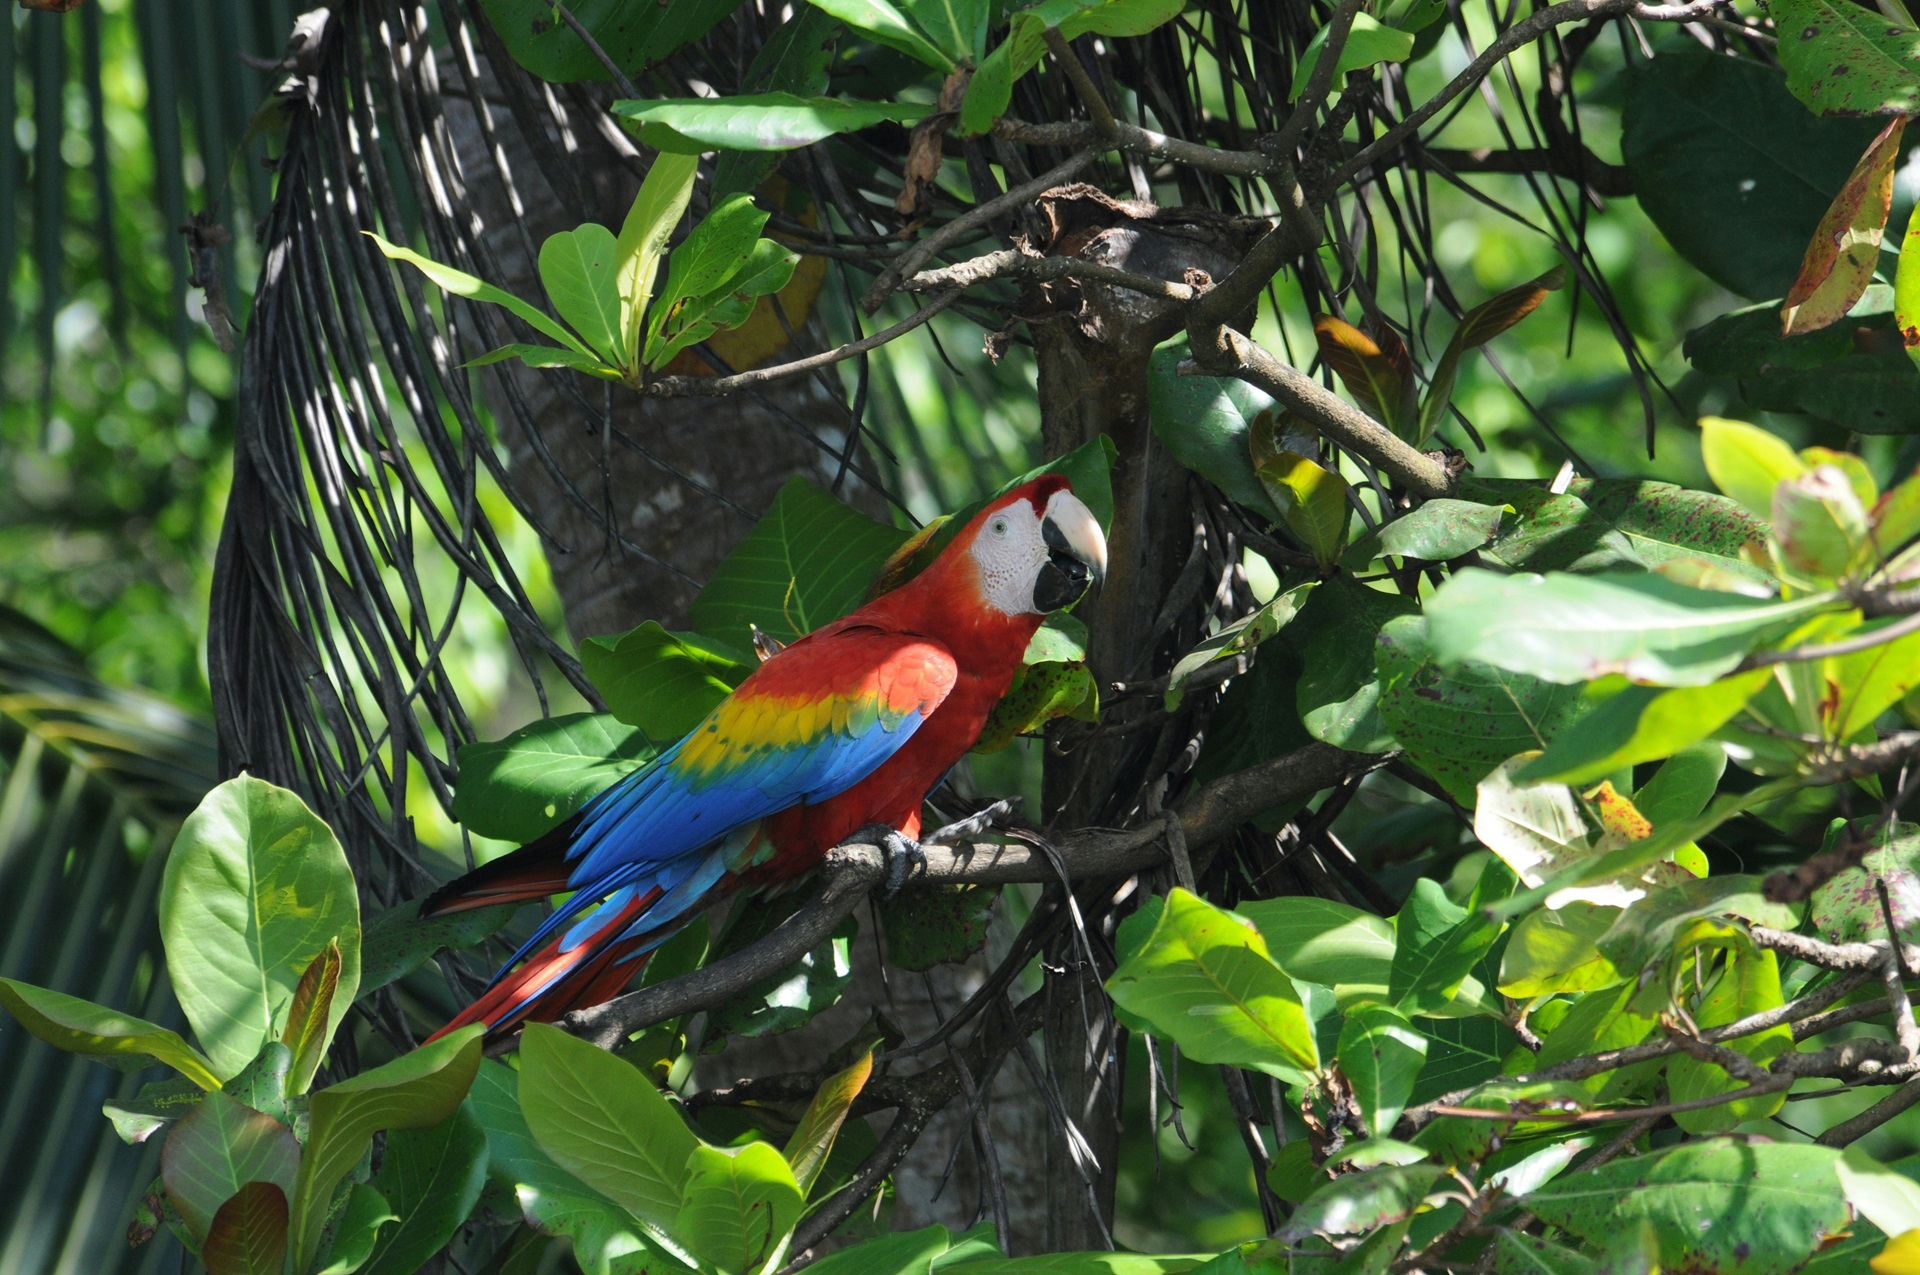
[1064,578]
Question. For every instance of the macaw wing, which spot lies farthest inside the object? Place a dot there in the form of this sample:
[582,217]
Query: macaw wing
[809,723]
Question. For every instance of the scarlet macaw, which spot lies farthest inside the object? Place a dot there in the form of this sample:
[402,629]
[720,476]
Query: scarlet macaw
[851,726]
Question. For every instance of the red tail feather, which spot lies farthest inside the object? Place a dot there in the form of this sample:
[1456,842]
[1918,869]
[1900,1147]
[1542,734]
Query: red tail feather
[551,982]
[534,871]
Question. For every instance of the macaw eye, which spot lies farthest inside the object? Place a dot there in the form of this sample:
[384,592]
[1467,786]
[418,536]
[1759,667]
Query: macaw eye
[998,526]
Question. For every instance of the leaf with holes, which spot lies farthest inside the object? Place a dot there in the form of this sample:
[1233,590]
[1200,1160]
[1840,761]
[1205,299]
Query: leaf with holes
[936,925]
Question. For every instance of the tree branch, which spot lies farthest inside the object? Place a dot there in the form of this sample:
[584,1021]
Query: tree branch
[850,872]
[1133,140]
[1015,264]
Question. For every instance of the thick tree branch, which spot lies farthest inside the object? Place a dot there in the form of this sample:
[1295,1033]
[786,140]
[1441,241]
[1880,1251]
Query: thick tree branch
[850,872]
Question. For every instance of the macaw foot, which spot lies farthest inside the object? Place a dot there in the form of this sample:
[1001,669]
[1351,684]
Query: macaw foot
[901,852]
[972,826]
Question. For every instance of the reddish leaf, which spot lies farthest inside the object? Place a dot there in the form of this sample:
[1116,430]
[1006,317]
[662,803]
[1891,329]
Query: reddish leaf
[305,1033]
[1377,372]
[217,1150]
[1477,327]
[1846,244]
[249,1233]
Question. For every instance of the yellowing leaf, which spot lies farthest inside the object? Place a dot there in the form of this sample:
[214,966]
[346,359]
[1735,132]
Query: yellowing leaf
[1901,1256]
[1745,462]
[1618,818]
[1312,501]
[1845,248]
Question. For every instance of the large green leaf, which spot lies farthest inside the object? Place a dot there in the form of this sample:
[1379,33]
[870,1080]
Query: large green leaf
[1362,1201]
[414,1090]
[1459,723]
[1729,166]
[884,23]
[521,786]
[256,887]
[1381,1055]
[1204,980]
[1460,1052]
[120,1040]
[739,1205]
[603,1121]
[577,268]
[812,1141]
[807,562]
[1203,421]
[1556,950]
[1437,942]
[1726,1207]
[633,36]
[1749,984]
[1663,522]
[793,61]
[397,942]
[1326,942]
[431,1178]
[462,284]
[1548,531]
[1648,931]
[1855,374]
[1569,628]
[662,682]
[757,121]
[1843,59]
[1338,696]
[219,1148]
[1641,723]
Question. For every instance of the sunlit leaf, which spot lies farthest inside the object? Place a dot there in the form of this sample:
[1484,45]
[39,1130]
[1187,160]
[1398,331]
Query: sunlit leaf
[1845,248]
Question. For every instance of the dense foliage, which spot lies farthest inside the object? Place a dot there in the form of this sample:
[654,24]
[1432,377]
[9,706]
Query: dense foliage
[1526,872]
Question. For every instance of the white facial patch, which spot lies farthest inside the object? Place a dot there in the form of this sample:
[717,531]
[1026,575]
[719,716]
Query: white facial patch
[1009,551]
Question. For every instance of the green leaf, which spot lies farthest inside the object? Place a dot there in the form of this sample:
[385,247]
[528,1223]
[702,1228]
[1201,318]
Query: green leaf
[1459,723]
[1239,636]
[1853,374]
[1205,981]
[662,682]
[1437,942]
[1535,829]
[656,209]
[1601,1021]
[119,1040]
[937,925]
[632,36]
[522,786]
[957,27]
[756,122]
[606,1239]
[884,24]
[1842,59]
[1747,463]
[1888,1199]
[739,1207]
[1517,1253]
[548,356]
[1664,523]
[1380,1055]
[1338,696]
[354,1231]
[1771,1204]
[1369,43]
[217,1149]
[1312,500]
[691,320]
[1906,300]
[578,269]
[304,1032]
[1730,168]
[793,62]
[1362,1201]
[1568,628]
[1819,526]
[898,1253]
[416,1089]
[1549,532]
[1650,930]
[605,1123]
[1437,531]
[1322,941]
[248,1234]
[1683,785]
[431,1178]
[1203,421]
[1556,950]
[255,888]
[462,284]
[713,252]
[1845,248]
[992,85]
[397,941]
[820,1123]
[806,563]
[1640,724]
[1039,694]
[1461,1052]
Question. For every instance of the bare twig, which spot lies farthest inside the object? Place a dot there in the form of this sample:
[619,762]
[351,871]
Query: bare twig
[1856,1127]
[1013,263]
[1845,646]
[1133,140]
[1830,956]
[1315,92]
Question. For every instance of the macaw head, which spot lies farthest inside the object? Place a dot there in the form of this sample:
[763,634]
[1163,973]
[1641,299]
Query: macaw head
[1036,549]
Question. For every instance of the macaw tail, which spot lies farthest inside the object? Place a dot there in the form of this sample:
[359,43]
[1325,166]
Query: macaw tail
[534,871]
[584,965]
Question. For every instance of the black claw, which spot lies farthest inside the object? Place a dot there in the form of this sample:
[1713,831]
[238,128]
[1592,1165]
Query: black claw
[972,826]
[903,856]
